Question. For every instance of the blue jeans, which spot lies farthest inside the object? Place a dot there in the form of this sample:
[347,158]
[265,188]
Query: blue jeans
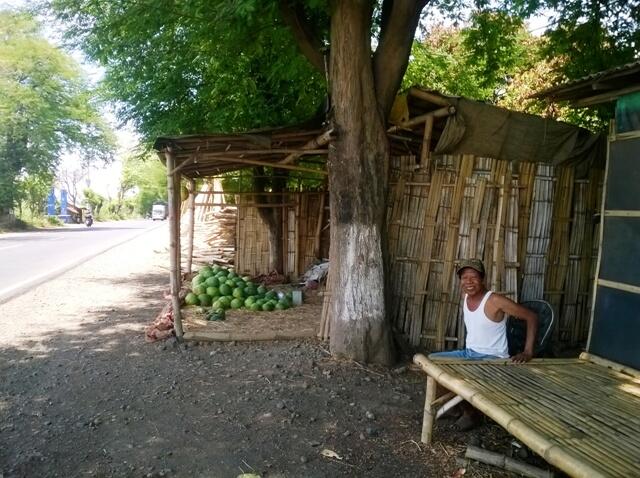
[466,354]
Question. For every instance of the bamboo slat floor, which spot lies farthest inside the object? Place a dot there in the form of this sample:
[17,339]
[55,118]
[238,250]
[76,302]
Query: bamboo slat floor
[579,414]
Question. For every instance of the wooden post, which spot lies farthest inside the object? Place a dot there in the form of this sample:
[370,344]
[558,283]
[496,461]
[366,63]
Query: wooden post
[428,418]
[315,143]
[191,187]
[416,120]
[425,154]
[316,238]
[430,97]
[174,241]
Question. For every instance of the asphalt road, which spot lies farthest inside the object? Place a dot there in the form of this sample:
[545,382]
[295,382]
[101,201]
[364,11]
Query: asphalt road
[30,258]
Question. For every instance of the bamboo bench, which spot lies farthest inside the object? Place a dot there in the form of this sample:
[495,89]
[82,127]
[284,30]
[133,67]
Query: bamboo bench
[581,415]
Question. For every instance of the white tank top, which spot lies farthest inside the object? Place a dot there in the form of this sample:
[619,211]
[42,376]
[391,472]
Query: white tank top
[483,334]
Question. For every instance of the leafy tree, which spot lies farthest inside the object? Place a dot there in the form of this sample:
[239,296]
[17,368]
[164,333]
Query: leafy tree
[94,200]
[476,61]
[34,190]
[44,109]
[592,35]
[147,178]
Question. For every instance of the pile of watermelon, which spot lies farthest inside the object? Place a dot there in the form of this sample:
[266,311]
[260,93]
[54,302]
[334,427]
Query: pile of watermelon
[221,288]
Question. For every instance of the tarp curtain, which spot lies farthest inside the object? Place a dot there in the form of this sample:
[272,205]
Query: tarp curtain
[485,130]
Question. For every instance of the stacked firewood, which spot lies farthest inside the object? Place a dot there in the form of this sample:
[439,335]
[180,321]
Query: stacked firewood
[215,237]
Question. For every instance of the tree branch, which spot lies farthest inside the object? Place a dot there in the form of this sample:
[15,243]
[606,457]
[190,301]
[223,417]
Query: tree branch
[399,22]
[309,44]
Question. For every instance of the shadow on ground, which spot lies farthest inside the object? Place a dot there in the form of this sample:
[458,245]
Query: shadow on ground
[97,400]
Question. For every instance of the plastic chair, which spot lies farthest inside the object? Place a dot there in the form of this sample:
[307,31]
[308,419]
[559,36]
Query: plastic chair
[517,329]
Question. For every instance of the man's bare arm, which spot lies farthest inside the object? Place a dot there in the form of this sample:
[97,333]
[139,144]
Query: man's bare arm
[516,310]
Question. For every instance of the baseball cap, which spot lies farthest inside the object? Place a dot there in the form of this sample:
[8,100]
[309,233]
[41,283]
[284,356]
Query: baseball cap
[475,264]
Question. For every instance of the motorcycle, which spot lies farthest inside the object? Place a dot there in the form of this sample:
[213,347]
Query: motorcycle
[88,221]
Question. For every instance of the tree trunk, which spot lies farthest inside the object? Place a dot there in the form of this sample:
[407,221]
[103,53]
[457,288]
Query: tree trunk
[272,216]
[358,168]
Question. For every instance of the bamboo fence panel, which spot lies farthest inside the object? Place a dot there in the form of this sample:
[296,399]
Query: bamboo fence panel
[572,287]
[511,235]
[558,253]
[539,234]
[291,234]
[300,229]
[526,179]
[252,255]
[477,207]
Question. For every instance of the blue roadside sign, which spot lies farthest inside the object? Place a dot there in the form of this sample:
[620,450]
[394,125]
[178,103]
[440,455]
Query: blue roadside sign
[51,203]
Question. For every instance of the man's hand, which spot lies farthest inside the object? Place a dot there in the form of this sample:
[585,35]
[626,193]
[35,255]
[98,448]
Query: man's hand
[522,357]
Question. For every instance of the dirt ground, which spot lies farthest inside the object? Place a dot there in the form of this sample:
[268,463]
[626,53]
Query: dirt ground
[83,395]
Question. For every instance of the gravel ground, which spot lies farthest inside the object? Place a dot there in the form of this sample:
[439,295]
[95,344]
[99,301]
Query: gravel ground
[83,395]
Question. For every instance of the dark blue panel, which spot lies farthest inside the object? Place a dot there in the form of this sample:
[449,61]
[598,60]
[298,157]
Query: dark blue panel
[623,178]
[620,261]
[616,326]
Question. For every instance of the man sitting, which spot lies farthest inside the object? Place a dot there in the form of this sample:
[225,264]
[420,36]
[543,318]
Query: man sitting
[485,320]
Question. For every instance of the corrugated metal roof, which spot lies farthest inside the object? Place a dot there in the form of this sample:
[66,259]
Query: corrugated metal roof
[593,85]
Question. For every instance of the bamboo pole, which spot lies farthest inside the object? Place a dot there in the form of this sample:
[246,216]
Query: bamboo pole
[429,415]
[174,244]
[239,336]
[256,162]
[551,452]
[243,152]
[439,113]
[505,462]
[425,152]
[315,143]
[191,187]
[430,97]
[316,239]
[609,364]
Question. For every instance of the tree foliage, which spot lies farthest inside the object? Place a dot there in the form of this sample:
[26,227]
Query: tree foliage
[201,66]
[592,35]
[144,180]
[45,109]
[476,61]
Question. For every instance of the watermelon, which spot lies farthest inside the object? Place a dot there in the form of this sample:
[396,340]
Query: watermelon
[212,282]
[199,289]
[225,289]
[213,291]
[236,303]
[191,299]
[204,299]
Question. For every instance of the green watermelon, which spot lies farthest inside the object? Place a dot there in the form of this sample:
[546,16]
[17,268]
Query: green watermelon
[191,299]
[204,299]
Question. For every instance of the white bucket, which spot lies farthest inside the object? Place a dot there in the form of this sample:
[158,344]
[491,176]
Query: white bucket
[296,296]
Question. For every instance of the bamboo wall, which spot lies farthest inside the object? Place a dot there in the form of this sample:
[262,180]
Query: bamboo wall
[305,234]
[532,226]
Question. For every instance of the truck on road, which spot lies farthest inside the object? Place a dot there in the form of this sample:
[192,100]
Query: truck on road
[159,212]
